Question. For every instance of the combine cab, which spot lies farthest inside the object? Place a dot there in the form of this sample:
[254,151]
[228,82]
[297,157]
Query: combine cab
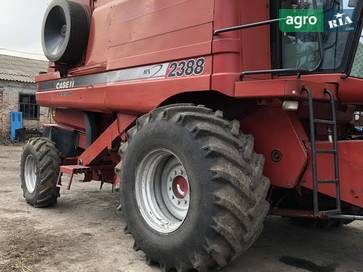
[206,115]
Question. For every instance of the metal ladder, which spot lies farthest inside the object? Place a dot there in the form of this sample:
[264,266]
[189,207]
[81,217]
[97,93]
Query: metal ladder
[334,152]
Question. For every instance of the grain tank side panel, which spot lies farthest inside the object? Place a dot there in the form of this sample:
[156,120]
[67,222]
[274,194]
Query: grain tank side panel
[134,33]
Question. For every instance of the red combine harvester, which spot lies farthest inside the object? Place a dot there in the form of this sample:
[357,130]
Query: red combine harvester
[174,101]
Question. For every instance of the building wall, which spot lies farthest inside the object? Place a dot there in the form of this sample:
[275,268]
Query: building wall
[10,102]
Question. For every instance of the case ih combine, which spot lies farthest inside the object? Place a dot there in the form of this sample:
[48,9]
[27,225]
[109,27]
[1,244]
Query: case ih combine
[174,101]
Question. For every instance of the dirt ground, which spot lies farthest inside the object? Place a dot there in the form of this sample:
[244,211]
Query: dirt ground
[84,233]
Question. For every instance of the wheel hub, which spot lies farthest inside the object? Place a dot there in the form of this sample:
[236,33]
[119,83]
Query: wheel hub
[177,196]
[30,168]
[180,187]
[162,191]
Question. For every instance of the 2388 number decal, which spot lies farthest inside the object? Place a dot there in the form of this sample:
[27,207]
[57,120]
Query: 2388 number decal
[186,68]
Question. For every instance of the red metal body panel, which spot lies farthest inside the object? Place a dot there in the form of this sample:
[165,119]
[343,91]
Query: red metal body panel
[268,88]
[70,118]
[48,76]
[169,37]
[284,87]
[351,171]
[237,51]
[350,90]
[275,129]
[125,97]
[84,2]
[256,51]
[150,32]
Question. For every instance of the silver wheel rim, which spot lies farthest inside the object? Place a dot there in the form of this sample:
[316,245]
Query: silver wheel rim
[162,191]
[30,176]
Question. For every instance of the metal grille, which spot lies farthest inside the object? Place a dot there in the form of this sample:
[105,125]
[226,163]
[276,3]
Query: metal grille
[28,106]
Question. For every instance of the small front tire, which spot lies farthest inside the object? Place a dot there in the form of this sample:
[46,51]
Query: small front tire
[39,166]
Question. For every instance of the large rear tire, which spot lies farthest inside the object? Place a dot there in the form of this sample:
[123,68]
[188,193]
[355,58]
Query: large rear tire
[39,167]
[193,192]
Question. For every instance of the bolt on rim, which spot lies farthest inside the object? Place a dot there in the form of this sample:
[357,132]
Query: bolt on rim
[162,191]
[30,168]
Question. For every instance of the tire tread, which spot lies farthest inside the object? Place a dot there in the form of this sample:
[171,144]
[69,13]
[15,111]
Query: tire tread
[241,200]
[49,161]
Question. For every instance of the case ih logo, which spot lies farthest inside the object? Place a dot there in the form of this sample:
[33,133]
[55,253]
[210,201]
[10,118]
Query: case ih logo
[341,20]
[65,84]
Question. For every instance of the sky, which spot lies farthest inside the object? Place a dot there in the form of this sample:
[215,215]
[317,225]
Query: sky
[20,27]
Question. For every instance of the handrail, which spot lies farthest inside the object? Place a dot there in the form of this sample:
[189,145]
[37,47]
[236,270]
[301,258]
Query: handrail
[273,71]
[245,26]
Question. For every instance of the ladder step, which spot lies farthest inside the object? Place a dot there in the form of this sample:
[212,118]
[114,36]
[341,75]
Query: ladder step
[326,151]
[325,122]
[328,181]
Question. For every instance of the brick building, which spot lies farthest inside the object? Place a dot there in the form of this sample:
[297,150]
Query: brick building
[17,93]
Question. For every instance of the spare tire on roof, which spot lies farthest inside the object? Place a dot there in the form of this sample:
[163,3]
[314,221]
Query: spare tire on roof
[65,31]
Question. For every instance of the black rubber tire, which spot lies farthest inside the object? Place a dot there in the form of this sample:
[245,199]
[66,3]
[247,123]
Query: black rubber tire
[47,169]
[77,19]
[320,223]
[228,204]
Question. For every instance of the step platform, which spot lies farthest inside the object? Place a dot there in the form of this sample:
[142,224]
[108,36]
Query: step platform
[71,170]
